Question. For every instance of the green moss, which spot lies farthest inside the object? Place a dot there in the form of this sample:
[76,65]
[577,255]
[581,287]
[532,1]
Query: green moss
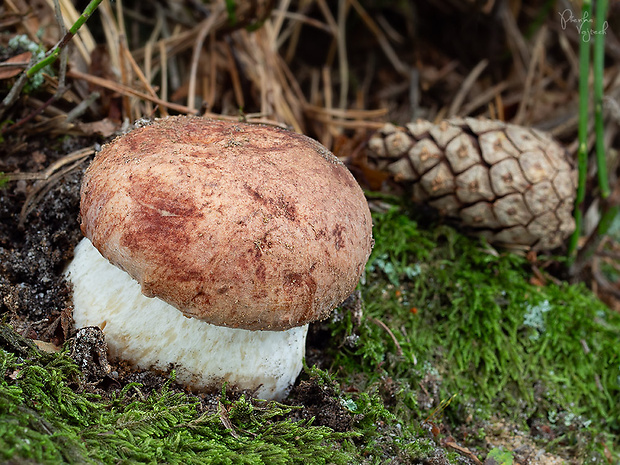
[46,417]
[468,318]
[500,457]
[382,437]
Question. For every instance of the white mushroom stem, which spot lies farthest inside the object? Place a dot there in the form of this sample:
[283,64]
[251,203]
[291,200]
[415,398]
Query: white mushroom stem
[150,333]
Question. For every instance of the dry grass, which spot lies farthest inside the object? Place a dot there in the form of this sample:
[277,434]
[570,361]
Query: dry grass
[166,57]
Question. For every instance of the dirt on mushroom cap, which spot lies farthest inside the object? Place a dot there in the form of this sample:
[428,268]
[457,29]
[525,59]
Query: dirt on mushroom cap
[240,225]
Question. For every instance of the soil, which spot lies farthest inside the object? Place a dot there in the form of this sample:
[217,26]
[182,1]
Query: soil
[34,254]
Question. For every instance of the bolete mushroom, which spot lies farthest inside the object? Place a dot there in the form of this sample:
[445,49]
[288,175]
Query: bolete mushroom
[222,241]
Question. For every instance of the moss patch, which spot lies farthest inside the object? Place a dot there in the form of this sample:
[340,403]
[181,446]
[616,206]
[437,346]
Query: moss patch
[47,417]
[447,316]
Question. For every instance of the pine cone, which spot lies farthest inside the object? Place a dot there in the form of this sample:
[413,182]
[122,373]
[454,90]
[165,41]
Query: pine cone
[516,186]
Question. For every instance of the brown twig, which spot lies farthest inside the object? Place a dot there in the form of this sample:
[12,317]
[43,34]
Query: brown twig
[535,63]
[380,36]
[35,112]
[485,97]
[47,179]
[463,451]
[141,77]
[207,27]
[234,75]
[125,90]
[399,350]
[466,86]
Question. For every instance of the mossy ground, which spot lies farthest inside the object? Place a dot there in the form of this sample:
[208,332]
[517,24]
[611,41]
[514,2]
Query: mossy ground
[469,328]
[451,336]
[47,417]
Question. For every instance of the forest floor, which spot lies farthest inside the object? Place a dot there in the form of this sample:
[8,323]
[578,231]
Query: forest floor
[451,351]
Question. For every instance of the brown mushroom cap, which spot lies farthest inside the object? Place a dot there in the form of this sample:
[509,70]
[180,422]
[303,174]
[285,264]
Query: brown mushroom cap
[239,225]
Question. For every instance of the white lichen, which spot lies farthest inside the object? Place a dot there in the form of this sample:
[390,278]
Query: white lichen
[534,318]
[23,42]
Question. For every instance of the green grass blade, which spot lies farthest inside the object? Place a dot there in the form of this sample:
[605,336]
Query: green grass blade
[598,62]
[582,152]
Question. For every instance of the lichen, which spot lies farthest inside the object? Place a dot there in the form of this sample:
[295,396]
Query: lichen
[22,42]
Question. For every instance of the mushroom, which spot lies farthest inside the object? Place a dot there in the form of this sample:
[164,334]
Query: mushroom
[210,246]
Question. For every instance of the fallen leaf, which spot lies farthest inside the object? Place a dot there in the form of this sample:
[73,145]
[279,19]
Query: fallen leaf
[47,346]
[105,128]
[20,61]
